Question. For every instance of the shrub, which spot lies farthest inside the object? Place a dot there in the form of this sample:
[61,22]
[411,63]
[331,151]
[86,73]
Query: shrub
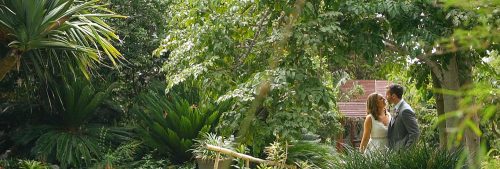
[312,154]
[199,148]
[416,157]
[68,138]
[170,123]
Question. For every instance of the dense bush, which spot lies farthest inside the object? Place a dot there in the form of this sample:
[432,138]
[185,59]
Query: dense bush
[417,157]
[69,139]
[170,122]
[315,154]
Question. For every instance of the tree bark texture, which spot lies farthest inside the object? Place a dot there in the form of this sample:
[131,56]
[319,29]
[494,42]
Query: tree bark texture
[443,139]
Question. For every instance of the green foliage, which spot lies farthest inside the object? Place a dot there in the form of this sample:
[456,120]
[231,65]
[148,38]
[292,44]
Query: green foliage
[30,164]
[356,91]
[420,156]
[140,33]
[235,46]
[426,120]
[170,122]
[51,33]
[481,99]
[311,154]
[120,157]
[148,162]
[491,160]
[79,101]
[484,33]
[68,139]
[478,101]
[305,154]
[277,152]
[128,155]
[8,163]
[23,164]
[200,150]
[67,148]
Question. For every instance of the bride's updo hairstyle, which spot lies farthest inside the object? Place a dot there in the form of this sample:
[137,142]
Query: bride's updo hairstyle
[372,106]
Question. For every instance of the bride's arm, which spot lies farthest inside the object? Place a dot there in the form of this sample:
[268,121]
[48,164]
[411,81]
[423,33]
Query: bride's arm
[367,129]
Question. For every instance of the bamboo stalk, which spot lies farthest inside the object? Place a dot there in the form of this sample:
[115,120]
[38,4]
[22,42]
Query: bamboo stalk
[247,157]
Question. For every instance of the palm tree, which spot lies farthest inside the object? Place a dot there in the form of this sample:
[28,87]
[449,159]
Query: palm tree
[46,35]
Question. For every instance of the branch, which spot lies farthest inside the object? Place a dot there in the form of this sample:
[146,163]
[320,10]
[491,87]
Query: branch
[255,36]
[247,157]
[425,57]
[432,64]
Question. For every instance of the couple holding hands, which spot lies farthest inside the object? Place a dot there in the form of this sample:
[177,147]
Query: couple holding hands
[382,131]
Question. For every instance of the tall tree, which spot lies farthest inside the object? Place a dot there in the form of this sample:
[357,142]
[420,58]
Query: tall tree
[449,40]
[273,57]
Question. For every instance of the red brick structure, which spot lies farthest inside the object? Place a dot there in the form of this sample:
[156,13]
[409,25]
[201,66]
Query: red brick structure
[354,109]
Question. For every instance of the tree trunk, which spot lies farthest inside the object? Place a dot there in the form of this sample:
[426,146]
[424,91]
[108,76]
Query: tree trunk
[450,102]
[451,80]
[440,111]
[9,62]
[472,141]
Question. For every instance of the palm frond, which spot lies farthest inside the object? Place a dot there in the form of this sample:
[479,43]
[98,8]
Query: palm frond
[55,26]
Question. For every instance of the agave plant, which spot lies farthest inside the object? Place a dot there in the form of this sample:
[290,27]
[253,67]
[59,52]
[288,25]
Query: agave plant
[171,123]
[48,32]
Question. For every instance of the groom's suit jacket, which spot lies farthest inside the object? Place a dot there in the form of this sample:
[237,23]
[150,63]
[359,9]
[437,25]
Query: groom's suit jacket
[403,128]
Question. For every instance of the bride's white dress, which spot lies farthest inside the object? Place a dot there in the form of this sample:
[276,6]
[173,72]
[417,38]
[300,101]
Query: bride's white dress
[378,137]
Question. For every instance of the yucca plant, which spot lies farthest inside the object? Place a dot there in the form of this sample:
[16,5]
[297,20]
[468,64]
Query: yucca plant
[46,33]
[170,123]
[68,138]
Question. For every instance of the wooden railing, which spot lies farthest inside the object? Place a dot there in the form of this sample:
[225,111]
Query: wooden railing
[245,157]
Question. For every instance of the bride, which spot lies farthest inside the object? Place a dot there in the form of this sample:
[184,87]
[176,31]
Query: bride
[376,124]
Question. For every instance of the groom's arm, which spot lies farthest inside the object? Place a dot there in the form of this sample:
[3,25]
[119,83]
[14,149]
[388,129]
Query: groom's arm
[410,123]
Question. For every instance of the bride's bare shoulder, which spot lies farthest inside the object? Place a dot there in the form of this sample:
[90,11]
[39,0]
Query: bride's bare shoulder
[368,116]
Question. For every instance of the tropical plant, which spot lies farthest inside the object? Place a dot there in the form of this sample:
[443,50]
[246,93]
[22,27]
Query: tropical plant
[148,162]
[45,34]
[420,156]
[491,160]
[69,139]
[170,122]
[31,164]
[22,164]
[8,163]
[273,57]
[200,150]
[132,155]
[312,154]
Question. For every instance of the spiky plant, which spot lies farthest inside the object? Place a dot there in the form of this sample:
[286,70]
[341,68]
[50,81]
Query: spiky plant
[200,150]
[316,155]
[45,34]
[170,123]
[31,164]
[68,138]
[420,156]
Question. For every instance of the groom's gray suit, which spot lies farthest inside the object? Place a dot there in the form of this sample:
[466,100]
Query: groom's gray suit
[403,128]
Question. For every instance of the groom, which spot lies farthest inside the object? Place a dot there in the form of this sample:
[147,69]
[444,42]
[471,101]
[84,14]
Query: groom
[403,128]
